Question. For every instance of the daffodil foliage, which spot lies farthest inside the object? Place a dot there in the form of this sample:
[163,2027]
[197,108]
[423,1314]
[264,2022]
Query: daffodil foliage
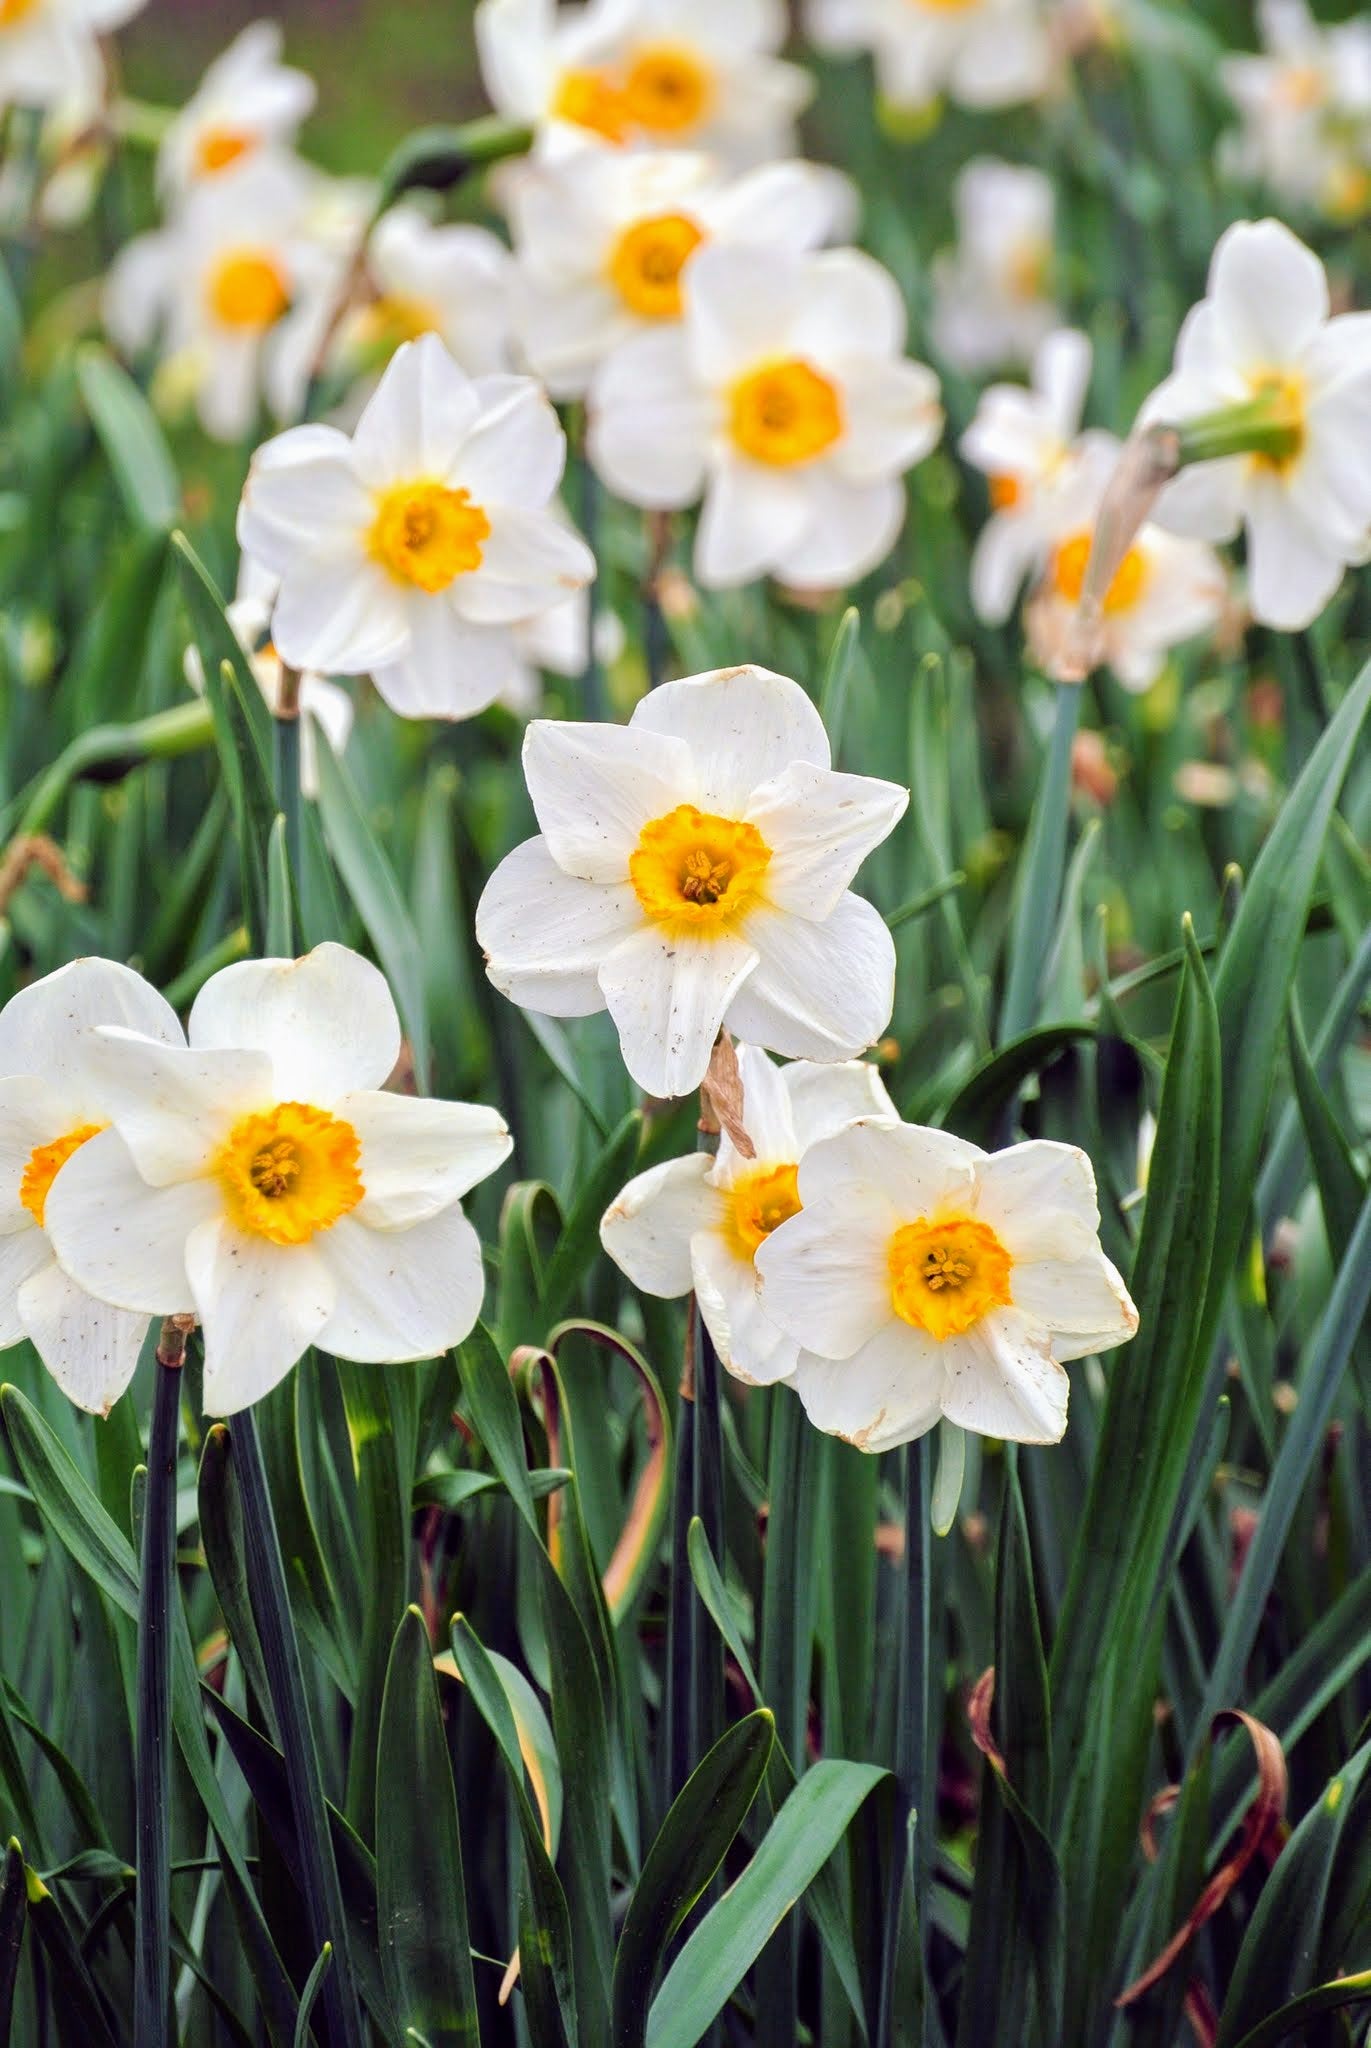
[684,1085]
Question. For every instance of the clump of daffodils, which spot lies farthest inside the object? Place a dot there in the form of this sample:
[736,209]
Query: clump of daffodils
[783,397]
[414,549]
[665,74]
[921,1278]
[691,874]
[1304,110]
[252,1173]
[699,1222]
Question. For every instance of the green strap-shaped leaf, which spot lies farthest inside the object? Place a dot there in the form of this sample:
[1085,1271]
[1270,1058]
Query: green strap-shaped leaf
[221,1536]
[494,1409]
[13,1910]
[152,1975]
[425,1942]
[694,1839]
[131,438]
[734,1932]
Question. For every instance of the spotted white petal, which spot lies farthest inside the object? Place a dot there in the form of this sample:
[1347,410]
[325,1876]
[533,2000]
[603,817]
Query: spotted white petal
[420,1156]
[887,1392]
[668,996]
[120,1239]
[648,1227]
[327,1022]
[544,932]
[261,1305]
[400,1295]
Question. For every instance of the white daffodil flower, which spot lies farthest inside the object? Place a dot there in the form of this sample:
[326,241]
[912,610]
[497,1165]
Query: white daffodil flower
[1262,341]
[225,287]
[411,549]
[1305,108]
[923,1278]
[247,101]
[604,237]
[259,1178]
[324,706]
[697,1222]
[992,302]
[50,1106]
[698,74]
[1166,590]
[691,873]
[50,49]
[1022,441]
[784,397]
[452,281]
[982,53]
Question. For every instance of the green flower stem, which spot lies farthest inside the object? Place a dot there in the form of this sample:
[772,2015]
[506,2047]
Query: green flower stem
[286,765]
[285,1679]
[107,753]
[1266,425]
[152,1773]
[913,1802]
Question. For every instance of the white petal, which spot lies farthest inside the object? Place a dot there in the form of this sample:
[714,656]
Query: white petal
[1007,551]
[344,615]
[891,418]
[530,562]
[119,1239]
[1082,1302]
[766,1115]
[1205,502]
[303,498]
[544,933]
[594,787]
[850,528]
[750,1345]
[450,668]
[31,1114]
[1039,1198]
[752,518]
[261,1306]
[820,991]
[741,306]
[23,1253]
[889,1392]
[824,1099]
[90,1349]
[820,827]
[327,1022]
[650,422]
[516,452]
[917,1169]
[419,1156]
[1061,372]
[1269,292]
[45,1029]
[825,1273]
[742,726]
[173,1105]
[1291,571]
[417,419]
[648,1227]
[1002,1380]
[401,1294]
[668,997]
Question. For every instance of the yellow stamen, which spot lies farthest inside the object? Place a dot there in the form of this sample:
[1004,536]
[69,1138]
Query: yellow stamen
[593,100]
[666,90]
[217,148]
[289,1172]
[247,289]
[45,1163]
[946,1273]
[698,874]
[1067,574]
[1005,493]
[396,317]
[426,534]
[1028,268]
[645,267]
[758,1203]
[1281,394]
[14,11]
[785,413]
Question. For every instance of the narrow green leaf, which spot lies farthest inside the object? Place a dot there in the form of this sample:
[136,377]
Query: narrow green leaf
[833,691]
[494,1410]
[1039,884]
[152,1976]
[420,1893]
[691,1845]
[733,1933]
[13,1911]
[1290,2020]
[222,1537]
[309,1996]
[131,437]
[280,938]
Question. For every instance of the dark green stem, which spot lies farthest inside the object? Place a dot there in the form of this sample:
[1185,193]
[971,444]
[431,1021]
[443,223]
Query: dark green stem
[152,1775]
[912,1799]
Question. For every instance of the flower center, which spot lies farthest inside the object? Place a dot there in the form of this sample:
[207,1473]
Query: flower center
[785,413]
[217,148]
[1302,86]
[1067,574]
[593,100]
[14,11]
[759,1202]
[945,6]
[246,289]
[427,535]
[697,873]
[666,90]
[397,317]
[647,262]
[1027,268]
[289,1171]
[1005,493]
[946,1273]
[45,1163]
